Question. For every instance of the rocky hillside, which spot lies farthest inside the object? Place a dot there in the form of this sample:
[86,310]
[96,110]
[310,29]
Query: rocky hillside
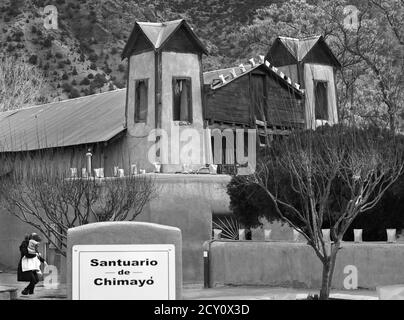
[82,56]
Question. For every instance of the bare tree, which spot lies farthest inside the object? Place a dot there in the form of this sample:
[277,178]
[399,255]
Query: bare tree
[332,176]
[53,203]
[21,84]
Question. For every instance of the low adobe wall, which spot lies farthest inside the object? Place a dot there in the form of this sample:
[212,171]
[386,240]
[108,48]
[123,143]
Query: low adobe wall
[185,201]
[288,264]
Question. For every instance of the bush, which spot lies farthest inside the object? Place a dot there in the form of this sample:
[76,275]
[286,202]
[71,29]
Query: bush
[33,59]
[74,93]
[93,57]
[120,84]
[85,82]
[67,87]
[47,43]
[121,68]
[99,80]
[65,76]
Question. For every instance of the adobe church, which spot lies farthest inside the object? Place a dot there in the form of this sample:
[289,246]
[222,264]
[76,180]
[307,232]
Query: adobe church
[172,111]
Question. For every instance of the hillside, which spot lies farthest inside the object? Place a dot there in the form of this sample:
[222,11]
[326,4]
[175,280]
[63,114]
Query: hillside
[82,56]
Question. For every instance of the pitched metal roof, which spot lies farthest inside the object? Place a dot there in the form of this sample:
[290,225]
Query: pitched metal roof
[299,48]
[85,120]
[213,78]
[158,33]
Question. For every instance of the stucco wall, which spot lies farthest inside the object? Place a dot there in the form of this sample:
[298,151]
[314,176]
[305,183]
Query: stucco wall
[296,265]
[187,202]
[125,233]
[182,65]
[142,66]
[314,72]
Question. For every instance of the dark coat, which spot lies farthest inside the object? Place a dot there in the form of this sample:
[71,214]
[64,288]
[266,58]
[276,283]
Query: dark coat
[27,275]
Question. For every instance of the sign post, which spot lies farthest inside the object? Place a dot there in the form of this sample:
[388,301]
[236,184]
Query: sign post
[123,272]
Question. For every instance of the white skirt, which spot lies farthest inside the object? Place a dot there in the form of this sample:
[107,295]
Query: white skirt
[30,264]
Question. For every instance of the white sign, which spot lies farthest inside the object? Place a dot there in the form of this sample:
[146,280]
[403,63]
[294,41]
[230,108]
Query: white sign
[123,272]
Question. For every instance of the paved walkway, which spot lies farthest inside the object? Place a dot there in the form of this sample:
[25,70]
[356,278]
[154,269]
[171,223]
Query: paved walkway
[190,292]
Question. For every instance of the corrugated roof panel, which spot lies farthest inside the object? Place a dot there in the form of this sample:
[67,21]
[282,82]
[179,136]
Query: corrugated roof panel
[89,119]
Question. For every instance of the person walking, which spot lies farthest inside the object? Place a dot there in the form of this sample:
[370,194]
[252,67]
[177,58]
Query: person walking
[30,261]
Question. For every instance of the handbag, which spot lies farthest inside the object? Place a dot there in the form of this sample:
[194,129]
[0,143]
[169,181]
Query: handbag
[40,275]
[30,264]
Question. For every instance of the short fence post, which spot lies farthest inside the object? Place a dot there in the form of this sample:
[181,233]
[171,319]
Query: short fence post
[267,234]
[358,235]
[241,234]
[206,269]
[217,234]
[391,235]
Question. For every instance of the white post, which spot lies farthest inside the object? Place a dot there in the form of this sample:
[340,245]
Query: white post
[157,167]
[73,172]
[84,173]
[267,234]
[241,234]
[89,155]
[217,234]
[358,235]
[391,235]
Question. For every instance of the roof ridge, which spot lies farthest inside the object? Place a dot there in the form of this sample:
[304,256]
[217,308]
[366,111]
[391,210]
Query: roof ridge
[61,101]
[254,65]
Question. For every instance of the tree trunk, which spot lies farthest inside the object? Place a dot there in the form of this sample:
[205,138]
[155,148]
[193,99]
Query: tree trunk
[325,282]
[328,272]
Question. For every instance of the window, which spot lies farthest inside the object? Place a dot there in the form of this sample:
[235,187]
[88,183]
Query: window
[321,100]
[141,104]
[182,99]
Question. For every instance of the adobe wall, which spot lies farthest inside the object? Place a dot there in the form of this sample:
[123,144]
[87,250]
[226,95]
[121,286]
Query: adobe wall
[184,201]
[288,264]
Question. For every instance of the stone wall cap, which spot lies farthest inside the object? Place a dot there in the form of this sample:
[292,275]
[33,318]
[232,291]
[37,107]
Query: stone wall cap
[115,224]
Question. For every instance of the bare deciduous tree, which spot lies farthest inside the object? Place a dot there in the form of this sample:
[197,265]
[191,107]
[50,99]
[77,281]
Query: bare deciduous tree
[351,165]
[21,84]
[52,203]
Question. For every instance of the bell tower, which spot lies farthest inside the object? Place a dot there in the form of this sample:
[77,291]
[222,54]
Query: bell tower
[311,63]
[164,108]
